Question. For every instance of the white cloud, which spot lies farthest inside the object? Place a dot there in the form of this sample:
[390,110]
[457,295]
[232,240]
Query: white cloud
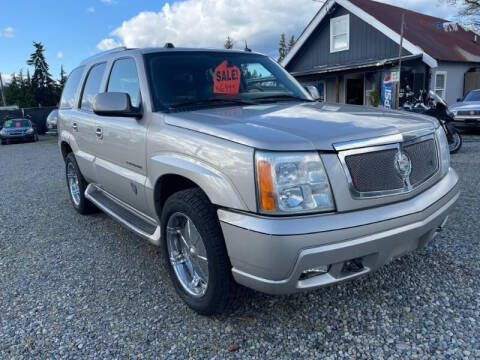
[8,32]
[207,23]
[91,9]
[108,1]
[60,54]
[107,44]
[6,78]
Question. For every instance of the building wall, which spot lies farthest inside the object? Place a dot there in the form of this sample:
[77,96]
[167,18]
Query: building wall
[366,44]
[455,79]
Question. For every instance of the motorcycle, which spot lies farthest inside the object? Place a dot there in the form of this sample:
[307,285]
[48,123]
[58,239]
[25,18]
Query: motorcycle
[433,105]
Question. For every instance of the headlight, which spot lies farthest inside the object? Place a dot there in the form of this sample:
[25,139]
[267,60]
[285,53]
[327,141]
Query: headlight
[29,131]
[291,183]
[444,149]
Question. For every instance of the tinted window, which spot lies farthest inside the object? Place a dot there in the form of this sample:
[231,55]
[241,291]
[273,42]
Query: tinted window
[70,89]
[472,96]
[124,78]
[92,86]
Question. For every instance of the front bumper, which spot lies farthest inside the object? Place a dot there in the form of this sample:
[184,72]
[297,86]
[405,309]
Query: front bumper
[271,254]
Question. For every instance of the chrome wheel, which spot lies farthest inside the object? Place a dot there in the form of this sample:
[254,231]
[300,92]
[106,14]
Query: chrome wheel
[187,254]
[73,184]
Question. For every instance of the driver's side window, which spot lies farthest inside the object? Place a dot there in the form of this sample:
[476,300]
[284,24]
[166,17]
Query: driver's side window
[124,79]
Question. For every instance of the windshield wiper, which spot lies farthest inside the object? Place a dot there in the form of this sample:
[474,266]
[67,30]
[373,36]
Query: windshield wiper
[282,97]
[217,101]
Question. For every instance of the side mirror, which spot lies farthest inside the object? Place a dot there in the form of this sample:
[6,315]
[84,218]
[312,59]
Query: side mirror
[115,104]
[313,91]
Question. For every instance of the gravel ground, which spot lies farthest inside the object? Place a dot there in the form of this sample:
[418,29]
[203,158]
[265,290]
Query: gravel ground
[76,287]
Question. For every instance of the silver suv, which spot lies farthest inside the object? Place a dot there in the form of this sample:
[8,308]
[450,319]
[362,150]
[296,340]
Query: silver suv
[225,161]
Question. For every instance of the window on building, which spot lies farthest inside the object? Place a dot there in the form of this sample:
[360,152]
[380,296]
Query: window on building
[124,79]
[92,86]
[340,33]
[441,83]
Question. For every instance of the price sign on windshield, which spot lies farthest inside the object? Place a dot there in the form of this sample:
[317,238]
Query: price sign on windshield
[226,79]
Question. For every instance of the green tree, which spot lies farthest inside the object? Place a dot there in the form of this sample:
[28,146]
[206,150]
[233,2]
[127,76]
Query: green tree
[228,43]
[12,91]
[282,48]
[42,82]
[291,43]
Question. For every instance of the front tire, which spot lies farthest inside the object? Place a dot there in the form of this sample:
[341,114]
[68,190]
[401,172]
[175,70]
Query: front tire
[76,186]
[454,140]
[195,253]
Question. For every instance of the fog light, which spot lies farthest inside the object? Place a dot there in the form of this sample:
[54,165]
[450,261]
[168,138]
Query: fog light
[318,270]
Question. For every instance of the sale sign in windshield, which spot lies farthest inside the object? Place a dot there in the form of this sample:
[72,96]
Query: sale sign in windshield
[226,79]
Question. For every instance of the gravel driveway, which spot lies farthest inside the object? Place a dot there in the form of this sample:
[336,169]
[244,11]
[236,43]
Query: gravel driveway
[78,287]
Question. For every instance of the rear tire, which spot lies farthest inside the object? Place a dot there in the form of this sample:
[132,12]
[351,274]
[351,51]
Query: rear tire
[77,185]
[219,289]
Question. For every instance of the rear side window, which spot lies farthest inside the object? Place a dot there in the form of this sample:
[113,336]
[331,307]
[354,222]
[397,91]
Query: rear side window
[92,86]
[70,89]
[124,79]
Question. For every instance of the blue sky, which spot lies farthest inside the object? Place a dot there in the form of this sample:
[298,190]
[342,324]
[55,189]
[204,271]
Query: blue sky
[73,30]
[65,26]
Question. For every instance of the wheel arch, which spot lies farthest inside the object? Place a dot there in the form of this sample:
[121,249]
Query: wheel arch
[177,172]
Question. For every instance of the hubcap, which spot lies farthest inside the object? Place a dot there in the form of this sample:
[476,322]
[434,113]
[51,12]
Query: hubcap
[187,254]
[73,183]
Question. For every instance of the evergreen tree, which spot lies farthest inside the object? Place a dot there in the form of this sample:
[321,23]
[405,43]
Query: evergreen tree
[282,48]
[291,43]
[12,91]
[61,82]
[42,82]
[228,43]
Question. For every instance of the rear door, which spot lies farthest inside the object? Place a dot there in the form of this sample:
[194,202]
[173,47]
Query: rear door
[85,122]
[121,162]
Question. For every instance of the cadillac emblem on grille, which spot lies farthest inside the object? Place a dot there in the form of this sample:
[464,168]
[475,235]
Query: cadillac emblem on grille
[403,165]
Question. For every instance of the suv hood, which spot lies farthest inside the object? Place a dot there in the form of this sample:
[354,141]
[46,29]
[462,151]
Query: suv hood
[298,126]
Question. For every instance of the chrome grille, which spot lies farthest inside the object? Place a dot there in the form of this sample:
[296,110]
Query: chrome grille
[373,171]
[376,171]
[469,112]
[423,156]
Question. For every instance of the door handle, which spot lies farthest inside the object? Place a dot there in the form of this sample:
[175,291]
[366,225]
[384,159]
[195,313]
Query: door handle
[99,133]
[75,126]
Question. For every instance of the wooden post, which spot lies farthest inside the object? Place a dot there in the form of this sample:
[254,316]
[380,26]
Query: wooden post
[400,50]
[337,95]
[1,91]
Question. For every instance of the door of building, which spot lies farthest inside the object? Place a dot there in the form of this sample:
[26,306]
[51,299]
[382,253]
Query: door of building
[355,92]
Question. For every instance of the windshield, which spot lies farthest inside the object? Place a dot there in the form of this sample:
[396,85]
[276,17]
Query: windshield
[217,78]
[16,123]
[472,96]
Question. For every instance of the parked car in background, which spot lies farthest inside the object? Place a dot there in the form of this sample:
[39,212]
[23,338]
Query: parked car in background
[248,182]
[18,130]
[466,112]
[52,122]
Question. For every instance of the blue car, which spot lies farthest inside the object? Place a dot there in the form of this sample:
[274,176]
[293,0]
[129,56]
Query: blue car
[18,130]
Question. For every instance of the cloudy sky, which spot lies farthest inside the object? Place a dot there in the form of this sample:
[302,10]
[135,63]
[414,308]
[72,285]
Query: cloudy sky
[75,30]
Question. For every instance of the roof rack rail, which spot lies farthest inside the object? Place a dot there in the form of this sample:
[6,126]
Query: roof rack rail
[111,51]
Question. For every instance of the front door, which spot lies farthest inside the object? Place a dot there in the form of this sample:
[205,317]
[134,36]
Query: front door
[121,161]
[355,92]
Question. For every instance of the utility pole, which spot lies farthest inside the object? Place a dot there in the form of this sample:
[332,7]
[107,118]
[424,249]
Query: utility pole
[400,50]
[1,91]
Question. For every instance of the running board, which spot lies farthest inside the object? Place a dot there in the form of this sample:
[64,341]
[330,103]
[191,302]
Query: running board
[132,219]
